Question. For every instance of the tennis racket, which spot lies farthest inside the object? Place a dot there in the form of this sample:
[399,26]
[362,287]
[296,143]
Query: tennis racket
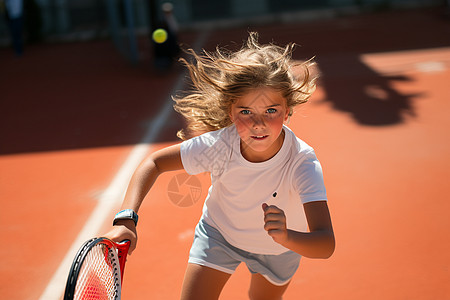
[97,270]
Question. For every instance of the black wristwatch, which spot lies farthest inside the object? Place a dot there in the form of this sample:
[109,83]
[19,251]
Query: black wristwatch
[126,214]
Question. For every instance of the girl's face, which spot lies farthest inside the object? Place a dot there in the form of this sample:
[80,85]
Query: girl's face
[259,116]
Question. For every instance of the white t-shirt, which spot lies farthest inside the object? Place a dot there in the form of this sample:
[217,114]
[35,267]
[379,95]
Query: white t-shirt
[239,187]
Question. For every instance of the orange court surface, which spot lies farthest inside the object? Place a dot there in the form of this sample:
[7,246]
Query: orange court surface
[74,114]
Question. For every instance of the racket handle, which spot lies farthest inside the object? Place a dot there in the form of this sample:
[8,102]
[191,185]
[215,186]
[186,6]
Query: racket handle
[122,252]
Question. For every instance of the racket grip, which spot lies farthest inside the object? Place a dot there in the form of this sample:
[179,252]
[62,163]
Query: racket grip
[122,251]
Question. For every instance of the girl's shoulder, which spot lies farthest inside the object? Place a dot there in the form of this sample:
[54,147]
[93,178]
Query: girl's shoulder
[298,146]
[302,156]
[222,137]
[208,152]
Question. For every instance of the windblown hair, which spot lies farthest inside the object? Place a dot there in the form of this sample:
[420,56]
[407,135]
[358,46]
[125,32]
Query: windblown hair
[220,78]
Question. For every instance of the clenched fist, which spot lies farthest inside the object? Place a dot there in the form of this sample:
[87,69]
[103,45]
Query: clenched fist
[275,223]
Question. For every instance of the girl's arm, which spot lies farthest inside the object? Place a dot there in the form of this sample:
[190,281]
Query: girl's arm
[167,159]
[317,243]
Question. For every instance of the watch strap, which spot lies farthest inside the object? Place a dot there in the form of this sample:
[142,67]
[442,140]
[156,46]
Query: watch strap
[126,214]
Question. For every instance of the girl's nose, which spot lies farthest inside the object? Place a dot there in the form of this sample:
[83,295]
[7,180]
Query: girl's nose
[258,122]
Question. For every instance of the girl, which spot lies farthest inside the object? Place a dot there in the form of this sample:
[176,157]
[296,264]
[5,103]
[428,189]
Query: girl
[267,184]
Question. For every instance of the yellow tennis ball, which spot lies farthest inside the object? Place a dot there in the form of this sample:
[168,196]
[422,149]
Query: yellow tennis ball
[159,35]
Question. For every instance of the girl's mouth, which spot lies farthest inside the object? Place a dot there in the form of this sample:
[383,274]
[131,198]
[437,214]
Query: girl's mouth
[259,137]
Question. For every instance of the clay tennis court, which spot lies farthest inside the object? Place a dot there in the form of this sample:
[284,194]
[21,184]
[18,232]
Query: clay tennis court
[73,114]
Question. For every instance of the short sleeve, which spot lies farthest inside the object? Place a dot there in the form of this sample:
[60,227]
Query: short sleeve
[205,153]
[308,179]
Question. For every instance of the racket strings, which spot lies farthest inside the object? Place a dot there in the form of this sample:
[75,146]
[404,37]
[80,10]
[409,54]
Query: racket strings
[99,276]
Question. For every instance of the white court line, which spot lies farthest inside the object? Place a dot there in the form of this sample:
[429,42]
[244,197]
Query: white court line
[114,193]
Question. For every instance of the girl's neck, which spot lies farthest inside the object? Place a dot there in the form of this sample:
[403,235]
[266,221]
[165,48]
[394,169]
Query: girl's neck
[256,157]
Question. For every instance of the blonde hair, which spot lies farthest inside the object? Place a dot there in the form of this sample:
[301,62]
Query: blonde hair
[219,78]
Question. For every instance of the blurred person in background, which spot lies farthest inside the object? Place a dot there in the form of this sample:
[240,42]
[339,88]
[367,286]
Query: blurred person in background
[166,52]
[13,10]
[32,22]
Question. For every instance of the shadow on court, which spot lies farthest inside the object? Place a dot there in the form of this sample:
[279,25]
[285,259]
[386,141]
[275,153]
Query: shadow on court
[350,84]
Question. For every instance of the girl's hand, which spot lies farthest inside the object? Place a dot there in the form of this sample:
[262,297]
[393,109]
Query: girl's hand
[275,223]
[124,230]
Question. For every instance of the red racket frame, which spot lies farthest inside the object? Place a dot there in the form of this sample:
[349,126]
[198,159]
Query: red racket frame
[122,251]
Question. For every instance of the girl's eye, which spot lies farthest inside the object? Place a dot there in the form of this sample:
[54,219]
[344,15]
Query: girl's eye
[271,110]
[245,112]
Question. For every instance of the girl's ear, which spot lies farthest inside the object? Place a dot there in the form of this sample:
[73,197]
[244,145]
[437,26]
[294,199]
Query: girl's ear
[230,114]
[287,114]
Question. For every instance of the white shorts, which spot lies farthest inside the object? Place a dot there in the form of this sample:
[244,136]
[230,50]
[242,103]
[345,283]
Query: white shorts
[210,249]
